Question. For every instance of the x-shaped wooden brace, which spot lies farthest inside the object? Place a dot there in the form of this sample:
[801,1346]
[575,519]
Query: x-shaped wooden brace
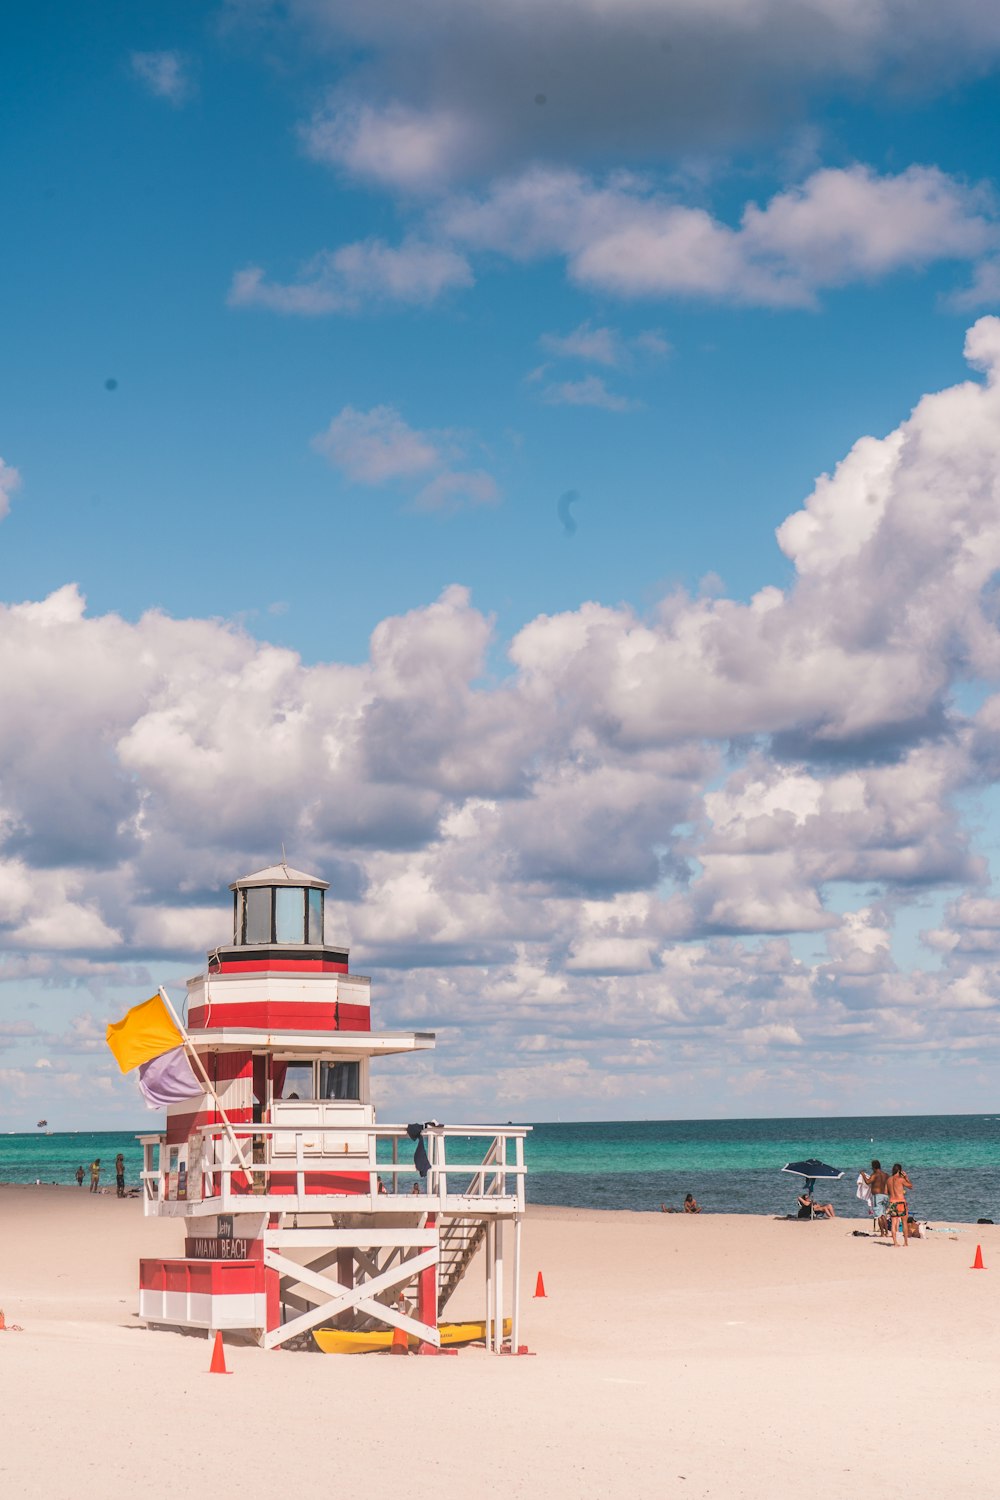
[360,1297]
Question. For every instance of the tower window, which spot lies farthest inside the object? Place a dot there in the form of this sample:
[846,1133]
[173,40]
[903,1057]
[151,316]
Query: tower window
[289,914]
[314,914]
[297,1082]
[257,927]
[340,1080]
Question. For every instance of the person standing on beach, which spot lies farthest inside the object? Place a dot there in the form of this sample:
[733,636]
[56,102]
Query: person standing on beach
[95,1174]
[896,1188]
[79,1177]
[120,1174]
[878,1186]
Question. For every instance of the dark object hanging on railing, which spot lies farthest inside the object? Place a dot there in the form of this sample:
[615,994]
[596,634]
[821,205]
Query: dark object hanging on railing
[420,1158]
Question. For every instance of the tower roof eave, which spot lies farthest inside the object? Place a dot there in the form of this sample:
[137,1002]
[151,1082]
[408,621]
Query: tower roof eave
[251,1039]
[279,875]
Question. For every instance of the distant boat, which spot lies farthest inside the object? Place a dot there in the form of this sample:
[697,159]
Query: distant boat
[41,1123]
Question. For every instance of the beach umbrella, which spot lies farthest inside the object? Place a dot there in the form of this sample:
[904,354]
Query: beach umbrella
[811,1170]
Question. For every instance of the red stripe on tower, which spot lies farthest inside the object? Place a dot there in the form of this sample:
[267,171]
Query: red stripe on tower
[280,1015]
[215,1277]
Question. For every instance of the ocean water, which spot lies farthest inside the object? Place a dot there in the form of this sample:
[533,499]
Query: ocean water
[731,1166]
[734,1166]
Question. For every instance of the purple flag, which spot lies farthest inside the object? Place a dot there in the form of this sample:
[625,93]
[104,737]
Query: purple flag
[168,1079]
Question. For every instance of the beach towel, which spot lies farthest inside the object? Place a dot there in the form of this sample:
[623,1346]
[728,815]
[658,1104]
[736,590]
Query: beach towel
[865,1194]
[420,1157]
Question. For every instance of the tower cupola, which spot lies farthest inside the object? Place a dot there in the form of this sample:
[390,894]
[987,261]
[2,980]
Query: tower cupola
[278,923]
[278,905]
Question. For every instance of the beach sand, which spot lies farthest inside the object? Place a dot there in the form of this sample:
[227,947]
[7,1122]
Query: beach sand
[717,1356]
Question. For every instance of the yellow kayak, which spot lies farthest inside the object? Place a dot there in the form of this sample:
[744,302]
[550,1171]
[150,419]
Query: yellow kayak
[341,1341]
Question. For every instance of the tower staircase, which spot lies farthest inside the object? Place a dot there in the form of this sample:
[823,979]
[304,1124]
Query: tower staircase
[458,1242]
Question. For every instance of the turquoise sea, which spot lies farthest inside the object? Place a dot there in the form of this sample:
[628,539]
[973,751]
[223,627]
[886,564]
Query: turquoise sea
[732,1166]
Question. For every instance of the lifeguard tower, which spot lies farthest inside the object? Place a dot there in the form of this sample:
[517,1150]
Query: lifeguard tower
[301,1212]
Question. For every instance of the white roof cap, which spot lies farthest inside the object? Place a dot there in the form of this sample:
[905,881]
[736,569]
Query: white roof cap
[280,875]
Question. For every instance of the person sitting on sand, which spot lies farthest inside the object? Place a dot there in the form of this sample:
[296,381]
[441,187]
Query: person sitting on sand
[667,1208]
[809,1208]
[691,1204]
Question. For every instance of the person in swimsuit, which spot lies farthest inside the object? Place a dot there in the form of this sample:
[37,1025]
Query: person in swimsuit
[808,1208]
[95,1174]
[691,1204]
[897,1188]
[877,1185]
[79,1177]
[120,1174]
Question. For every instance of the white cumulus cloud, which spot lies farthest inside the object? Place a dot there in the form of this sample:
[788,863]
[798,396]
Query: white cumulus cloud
[623,236]
[396,146]
[693,826]
[166,75]
[377,446]
[430,93]
[356,276]
[591,390]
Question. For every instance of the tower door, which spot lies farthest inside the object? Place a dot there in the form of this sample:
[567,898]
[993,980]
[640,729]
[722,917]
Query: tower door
[261,1116]
[261,1102]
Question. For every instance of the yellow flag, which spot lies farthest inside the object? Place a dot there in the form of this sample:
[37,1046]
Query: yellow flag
[145,1032]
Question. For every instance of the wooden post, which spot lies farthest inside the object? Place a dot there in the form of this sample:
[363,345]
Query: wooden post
[515,1311]
[498,1284]
[345,1266]
[300,1168]
[441,1172]
[490,1247]
[427,1288]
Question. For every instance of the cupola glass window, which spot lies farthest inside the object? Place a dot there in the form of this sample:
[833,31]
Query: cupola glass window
[279,914]
[289,915]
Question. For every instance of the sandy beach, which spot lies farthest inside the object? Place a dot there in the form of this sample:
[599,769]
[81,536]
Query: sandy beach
[708,1356]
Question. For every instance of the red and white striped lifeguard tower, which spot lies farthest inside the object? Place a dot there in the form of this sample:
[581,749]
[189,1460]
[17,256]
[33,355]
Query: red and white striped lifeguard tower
[299,1210]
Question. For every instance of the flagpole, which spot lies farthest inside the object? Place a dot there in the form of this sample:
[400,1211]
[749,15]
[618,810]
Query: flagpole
[193,1055]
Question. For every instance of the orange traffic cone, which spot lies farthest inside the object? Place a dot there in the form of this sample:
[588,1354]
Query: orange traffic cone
[399,1343]
[218,1365]
[977,1264]
[539,1286]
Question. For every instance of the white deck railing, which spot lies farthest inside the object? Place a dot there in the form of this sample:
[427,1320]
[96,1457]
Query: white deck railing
[218,1181]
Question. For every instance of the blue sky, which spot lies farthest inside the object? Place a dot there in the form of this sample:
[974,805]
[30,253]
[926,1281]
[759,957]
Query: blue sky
[313,314]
